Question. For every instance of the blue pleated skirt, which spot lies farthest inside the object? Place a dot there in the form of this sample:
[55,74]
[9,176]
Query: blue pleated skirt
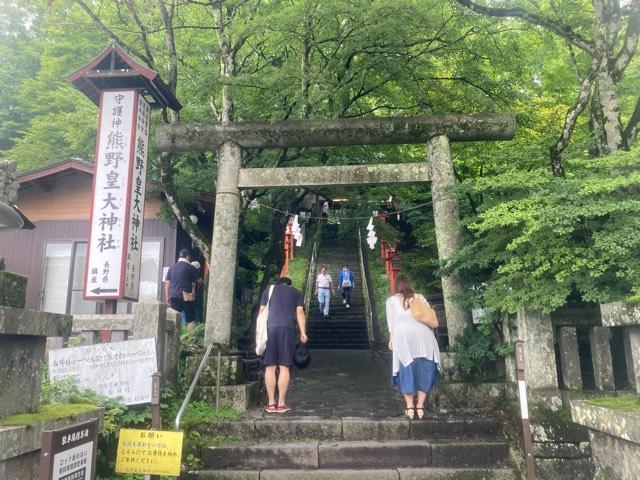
[420,375]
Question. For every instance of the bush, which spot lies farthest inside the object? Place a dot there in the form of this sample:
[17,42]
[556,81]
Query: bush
[478,349]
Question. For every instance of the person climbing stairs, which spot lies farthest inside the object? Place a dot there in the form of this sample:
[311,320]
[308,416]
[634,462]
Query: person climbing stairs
[346,325]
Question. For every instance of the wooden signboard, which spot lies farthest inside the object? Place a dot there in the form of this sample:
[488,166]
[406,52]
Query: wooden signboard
[70,453]
[117,209]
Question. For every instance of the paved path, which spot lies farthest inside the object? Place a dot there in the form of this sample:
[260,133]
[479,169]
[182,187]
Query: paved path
[345,383]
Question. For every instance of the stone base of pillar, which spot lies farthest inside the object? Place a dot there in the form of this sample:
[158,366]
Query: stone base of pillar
[241,397]
[231,370]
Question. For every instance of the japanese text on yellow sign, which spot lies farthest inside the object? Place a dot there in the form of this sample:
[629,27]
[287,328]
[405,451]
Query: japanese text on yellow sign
[151,452]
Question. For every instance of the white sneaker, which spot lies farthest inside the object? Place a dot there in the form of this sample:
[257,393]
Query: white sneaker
[348,306]
[344,301]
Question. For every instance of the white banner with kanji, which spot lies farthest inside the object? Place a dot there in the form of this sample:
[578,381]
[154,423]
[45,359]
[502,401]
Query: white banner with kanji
[117,211]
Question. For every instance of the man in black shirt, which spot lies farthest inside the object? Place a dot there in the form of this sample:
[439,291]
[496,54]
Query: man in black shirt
[286,308]
[179,286]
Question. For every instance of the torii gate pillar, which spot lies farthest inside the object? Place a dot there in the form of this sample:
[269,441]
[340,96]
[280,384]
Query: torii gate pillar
[446,215]
[224,246]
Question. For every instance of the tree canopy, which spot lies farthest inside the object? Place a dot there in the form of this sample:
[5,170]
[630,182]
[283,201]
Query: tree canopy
[547,216]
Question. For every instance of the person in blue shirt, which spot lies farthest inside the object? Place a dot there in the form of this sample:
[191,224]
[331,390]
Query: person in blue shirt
[179,286]
[346,282]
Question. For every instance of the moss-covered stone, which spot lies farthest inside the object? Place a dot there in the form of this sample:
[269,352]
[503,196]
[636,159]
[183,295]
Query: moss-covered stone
[48,413]
[629,403]
[13,289]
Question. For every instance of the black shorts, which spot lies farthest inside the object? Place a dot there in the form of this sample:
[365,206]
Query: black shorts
[281,346]
[179,305]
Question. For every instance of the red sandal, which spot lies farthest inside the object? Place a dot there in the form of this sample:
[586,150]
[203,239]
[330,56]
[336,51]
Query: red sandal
[271,409]
[283,409]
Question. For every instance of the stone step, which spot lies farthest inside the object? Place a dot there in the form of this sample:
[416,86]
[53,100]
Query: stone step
[337,323]
[356,454]
[280,428]
[337,320]
[338,339]
[342,474]
[356,330]
[334,345]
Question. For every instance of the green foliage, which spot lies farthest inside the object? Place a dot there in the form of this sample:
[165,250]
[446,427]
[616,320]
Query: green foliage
[57,391]
[538,238]
[298,270]
[379,288]
[476,354]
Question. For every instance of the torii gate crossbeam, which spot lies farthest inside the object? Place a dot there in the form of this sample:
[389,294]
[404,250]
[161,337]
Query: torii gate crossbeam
[229,139]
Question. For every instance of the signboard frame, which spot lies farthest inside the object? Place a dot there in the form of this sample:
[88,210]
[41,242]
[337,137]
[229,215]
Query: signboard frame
[122,291]
[76,435]
[140,452]
[105,368]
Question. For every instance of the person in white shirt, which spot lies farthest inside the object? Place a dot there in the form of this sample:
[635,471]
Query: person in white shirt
[324,289]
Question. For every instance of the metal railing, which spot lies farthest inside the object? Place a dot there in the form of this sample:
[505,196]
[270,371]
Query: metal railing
[194,382]
[308,289]
[365,292]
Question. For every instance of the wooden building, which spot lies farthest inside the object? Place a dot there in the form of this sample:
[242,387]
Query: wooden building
[57,199]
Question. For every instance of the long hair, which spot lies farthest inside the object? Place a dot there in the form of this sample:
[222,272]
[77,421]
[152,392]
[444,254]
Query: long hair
[403,286]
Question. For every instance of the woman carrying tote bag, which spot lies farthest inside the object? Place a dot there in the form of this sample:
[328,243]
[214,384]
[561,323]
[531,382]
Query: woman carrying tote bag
[416,356]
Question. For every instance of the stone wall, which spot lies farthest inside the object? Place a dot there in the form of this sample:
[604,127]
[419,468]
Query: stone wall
[13,289]
[615,439]
[8,181]
[561,450]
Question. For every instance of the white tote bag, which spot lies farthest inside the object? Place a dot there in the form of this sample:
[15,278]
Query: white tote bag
[261,327]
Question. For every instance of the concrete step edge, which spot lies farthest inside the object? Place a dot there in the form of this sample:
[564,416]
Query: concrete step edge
[352,474]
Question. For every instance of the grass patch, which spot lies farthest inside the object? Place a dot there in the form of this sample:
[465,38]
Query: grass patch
[548,416]
[629,403]
[380,291]
[298,271]
[55,411]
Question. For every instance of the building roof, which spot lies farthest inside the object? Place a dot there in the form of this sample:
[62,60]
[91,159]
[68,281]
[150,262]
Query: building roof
[115,69]
[74,165]
[60,168]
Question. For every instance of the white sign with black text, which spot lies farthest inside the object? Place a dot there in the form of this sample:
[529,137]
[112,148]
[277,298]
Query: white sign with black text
[117,211]
[118,369]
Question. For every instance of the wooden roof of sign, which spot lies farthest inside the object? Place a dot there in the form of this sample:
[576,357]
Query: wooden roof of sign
[114,69]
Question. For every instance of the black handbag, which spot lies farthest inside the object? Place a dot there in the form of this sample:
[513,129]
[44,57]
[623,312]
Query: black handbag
[302,357]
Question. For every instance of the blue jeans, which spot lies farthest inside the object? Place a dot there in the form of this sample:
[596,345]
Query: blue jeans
[323,300]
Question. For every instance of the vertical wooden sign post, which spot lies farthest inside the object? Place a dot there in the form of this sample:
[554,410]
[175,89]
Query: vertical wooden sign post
[125,91]
[524,409]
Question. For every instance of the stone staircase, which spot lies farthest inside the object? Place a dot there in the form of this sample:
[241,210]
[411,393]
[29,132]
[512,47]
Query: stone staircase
[346,328]
[311,448]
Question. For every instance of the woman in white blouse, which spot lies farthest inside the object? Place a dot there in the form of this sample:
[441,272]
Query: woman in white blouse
[416,356]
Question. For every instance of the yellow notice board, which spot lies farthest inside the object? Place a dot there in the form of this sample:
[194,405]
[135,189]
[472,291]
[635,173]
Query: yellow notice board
[151,452]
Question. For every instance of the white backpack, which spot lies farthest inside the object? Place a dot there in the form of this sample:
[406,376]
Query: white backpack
[261,327]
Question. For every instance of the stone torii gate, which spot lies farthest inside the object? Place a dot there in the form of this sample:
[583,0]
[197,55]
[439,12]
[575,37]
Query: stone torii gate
[229,140]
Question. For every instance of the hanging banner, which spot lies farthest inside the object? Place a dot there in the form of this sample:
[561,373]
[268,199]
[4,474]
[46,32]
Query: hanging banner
[117,211]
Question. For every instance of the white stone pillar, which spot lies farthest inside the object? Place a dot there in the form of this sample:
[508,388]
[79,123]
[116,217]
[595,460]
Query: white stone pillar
[447,216]
[536,330]
[569,358]
[632,356]
[601,357]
